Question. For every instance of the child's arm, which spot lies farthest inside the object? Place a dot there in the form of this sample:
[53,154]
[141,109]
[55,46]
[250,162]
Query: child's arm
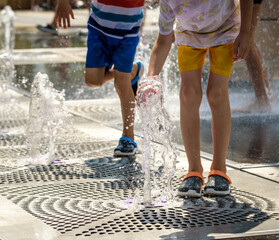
[242,42]
[160,53]
[164,40]
[63,13]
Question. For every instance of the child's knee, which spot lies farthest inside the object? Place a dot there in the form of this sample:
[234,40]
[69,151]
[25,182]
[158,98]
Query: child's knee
[92,80]
[190,96]
[216,96]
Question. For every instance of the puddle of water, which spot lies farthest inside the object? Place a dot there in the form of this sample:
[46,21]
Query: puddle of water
[66,76]
[41,40]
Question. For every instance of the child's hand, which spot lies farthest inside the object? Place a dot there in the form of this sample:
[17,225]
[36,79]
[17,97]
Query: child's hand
[63,13]
[241,46]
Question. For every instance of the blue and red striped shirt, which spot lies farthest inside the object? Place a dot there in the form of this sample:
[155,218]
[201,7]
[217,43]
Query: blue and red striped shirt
[117,18]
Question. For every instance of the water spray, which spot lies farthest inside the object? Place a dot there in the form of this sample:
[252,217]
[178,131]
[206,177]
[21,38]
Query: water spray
[156,127]
[47,113]
[7,19]
[7,42]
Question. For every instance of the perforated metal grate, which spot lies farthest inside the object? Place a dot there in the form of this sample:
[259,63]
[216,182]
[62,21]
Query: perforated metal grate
[70,143]
[95,168]
[94,190]
[13,149]
[68,206]
[175,218]
[108,111]
[12,123]
[65,214]
[87,198]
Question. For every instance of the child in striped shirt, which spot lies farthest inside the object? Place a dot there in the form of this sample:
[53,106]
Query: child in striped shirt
[113,36]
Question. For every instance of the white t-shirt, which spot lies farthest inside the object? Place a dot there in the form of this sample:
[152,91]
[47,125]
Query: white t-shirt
[200,23]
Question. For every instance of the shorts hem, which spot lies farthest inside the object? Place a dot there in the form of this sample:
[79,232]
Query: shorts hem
[121,70]
[222,73]
[190,68]
[95,66]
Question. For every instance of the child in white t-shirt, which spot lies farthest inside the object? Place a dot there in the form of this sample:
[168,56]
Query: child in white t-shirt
[202,25]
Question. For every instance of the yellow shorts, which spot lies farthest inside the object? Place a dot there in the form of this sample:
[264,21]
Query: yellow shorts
[221,58]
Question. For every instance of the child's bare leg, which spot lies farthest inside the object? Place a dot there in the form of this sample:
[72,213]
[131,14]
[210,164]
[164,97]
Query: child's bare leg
[265,77]
[96,77]
[122,83]
[218,99]
[257,71]
[190,100]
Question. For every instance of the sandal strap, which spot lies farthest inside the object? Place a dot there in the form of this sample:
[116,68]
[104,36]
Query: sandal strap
[194,174]
[219,173]
[137,77]
[129,140]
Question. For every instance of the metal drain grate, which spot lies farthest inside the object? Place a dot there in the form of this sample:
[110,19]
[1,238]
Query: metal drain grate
[106,112]
[70,143]
[12,115]
[94,190]
[174,218]
[11,140]
[65,214]
[69,206]
[87,198]
[64,151]
[95,168]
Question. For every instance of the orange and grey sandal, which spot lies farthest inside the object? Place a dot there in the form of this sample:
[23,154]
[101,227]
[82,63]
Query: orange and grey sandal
[191,185]
[194,174]
[218,184]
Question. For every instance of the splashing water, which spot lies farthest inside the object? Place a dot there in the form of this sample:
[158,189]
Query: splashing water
[7,71]
[156,127]
[47,113]
[8,38]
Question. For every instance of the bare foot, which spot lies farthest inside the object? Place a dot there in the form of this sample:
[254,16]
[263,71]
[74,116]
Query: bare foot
[256,106]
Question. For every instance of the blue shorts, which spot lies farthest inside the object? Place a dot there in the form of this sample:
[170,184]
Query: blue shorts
[105,51]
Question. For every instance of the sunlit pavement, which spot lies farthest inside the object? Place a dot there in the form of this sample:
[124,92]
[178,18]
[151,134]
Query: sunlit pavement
[84,196]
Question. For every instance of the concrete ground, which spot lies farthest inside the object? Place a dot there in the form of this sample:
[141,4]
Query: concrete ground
[84,197]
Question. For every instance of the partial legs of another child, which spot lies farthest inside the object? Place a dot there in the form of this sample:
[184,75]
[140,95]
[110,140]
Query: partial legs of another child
[257,72]
[126,87]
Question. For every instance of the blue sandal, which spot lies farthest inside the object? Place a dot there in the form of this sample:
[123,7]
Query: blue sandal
[134,82]
[126,147]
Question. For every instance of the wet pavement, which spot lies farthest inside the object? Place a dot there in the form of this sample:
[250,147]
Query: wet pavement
[84,196]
